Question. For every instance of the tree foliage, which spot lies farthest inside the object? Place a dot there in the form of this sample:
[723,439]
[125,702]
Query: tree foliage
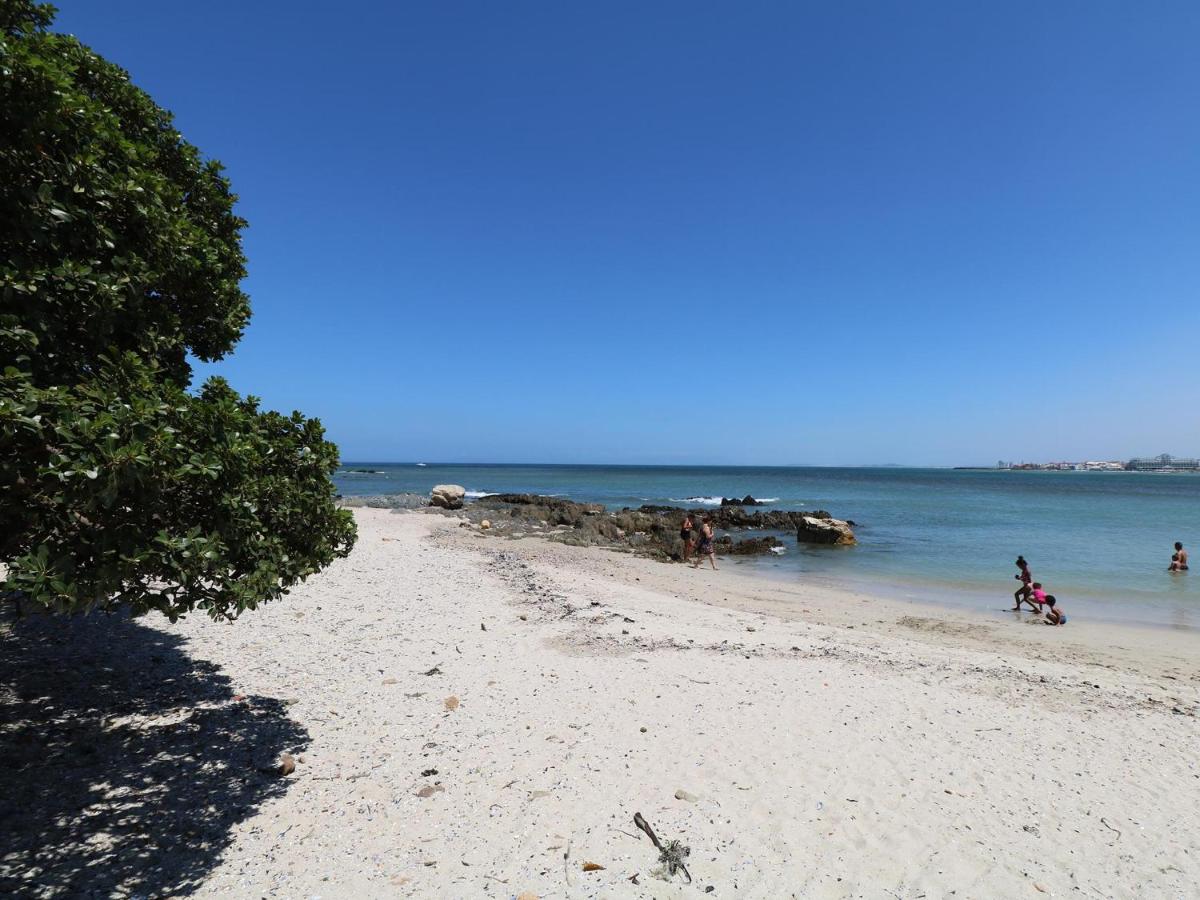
[120,255]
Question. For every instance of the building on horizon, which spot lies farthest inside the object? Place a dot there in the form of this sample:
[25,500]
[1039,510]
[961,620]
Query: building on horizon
[1164,462]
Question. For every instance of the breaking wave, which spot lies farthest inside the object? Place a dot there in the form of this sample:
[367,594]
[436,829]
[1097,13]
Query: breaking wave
[716,501]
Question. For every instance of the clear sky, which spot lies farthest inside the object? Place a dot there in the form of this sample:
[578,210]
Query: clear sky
[936,232]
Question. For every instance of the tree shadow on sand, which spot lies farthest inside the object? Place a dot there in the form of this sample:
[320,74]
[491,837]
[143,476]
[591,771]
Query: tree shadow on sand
[124,762]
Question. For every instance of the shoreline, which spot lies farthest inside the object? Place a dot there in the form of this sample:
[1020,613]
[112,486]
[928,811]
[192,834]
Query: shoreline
[481,716]
[743,590]
[1088,608]
[1101,547]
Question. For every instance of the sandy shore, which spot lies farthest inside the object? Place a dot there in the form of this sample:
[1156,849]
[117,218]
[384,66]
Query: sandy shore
[480,717]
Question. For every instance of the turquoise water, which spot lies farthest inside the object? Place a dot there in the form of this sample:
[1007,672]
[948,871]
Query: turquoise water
[1099,541]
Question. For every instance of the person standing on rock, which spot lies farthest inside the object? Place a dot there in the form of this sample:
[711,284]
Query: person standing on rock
[685,534]
[706,546]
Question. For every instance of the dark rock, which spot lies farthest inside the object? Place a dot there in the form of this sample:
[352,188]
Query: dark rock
[748,547]
[536,508]
[727,517]
[745,501]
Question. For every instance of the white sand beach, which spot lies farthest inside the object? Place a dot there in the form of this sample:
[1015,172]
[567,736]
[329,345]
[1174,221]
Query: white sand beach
[481,717]
[892,306]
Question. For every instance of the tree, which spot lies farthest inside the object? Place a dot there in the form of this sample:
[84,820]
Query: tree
[120,255]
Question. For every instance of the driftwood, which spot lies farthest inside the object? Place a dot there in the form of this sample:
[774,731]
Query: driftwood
[671,854]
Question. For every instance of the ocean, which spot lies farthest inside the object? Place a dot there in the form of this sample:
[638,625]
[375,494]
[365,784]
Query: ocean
[1099,541]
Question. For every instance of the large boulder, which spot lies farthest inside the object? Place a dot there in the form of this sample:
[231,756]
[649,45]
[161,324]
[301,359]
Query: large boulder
[812,530]
[447,496]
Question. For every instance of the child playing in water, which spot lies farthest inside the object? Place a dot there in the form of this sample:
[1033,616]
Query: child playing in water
[1039,595]
[1023,594]
[1054,614]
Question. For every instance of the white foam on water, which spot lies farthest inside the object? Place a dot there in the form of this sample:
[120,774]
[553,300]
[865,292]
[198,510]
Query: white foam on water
[715,501]
[475,495]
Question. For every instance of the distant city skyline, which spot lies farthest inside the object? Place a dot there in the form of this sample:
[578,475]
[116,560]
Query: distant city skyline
[1161,462]
[937,233]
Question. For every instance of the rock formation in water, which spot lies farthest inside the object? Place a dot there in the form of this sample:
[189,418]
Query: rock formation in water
[812,530]
[648,531]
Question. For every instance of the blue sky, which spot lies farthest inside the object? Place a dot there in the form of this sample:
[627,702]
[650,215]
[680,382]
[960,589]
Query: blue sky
[829,233]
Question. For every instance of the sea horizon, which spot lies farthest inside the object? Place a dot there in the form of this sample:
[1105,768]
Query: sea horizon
[346,464]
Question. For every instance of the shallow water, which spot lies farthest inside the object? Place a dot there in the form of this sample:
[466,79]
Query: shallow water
[1099,541]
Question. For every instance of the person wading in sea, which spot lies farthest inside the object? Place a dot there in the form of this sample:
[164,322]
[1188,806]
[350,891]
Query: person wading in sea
[1178,559]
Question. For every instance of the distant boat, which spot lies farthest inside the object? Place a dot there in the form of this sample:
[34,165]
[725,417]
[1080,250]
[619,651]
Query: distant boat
[422,465]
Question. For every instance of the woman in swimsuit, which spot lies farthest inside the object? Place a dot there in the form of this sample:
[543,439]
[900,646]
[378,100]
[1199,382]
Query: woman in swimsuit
[685,534]
[1178,559]
[706,545]
[1024,594]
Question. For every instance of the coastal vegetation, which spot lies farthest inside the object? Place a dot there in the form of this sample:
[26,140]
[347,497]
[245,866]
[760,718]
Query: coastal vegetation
[121,258]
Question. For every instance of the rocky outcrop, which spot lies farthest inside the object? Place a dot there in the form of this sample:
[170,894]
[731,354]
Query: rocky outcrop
[647,531]
[536,508]
[755,546]
[745,501]
[447,496]
[813,530]
[726,517]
